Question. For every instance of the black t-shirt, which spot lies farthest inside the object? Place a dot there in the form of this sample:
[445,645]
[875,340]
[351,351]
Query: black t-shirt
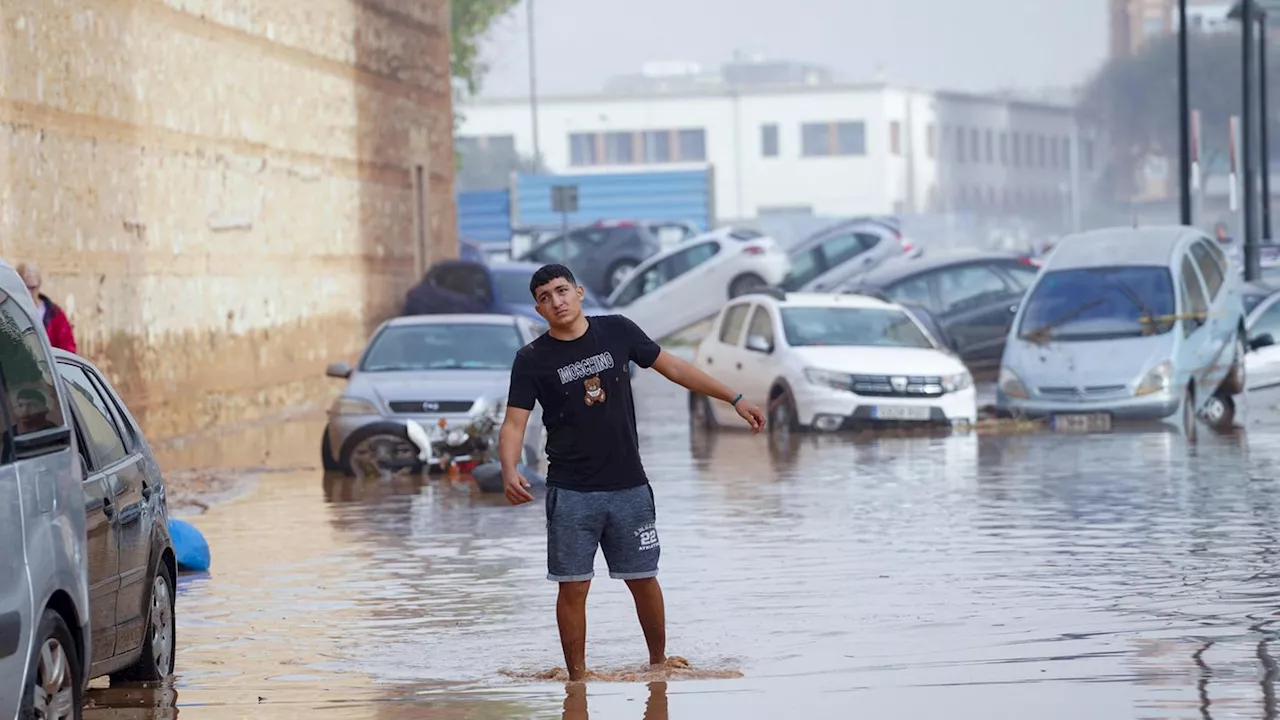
[585,391]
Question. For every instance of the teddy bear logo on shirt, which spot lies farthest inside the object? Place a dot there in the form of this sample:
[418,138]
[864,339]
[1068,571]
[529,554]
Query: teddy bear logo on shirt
[595,393]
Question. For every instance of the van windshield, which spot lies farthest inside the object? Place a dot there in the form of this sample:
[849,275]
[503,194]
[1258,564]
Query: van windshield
[1100,304]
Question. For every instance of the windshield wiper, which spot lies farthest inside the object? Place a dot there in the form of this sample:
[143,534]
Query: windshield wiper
[1149,319]
[1040,335]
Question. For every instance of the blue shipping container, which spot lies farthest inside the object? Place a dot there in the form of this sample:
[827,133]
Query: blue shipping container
[675,195]
[485,215]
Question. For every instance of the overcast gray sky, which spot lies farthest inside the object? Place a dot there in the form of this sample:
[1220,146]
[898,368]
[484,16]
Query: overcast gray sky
[951,44]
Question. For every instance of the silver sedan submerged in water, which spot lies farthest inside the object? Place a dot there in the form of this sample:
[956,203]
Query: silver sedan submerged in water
[442,375]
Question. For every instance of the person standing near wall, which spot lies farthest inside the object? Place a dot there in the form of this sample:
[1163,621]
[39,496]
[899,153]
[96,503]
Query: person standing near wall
[56,324]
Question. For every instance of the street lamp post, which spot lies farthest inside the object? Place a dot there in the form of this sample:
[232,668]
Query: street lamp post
[1264,142]
[1184,115]
[533,88]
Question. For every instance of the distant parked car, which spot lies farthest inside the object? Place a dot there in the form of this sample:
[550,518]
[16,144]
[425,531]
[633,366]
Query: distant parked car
[429,369]
[971,294]
[690,282]
[1262,364]
[44,560]
[1128,324]
[600,256]
[466,286]
[831,362]
[132,565]
[832,256]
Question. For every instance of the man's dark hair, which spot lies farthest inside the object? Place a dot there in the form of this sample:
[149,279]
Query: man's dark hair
[546,274]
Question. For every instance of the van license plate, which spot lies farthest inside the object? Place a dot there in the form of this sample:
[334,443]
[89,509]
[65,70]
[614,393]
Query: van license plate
[900,412]
[1081,423]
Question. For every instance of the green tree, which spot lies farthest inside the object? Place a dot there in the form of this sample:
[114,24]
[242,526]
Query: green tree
[1134,101]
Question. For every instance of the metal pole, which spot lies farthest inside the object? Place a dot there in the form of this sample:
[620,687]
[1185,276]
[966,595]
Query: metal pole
[1247,25]
[1264,128]
[1075,173]
[1184,117]
[533,89]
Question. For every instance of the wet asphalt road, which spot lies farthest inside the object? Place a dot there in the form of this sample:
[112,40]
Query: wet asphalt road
[1118,576]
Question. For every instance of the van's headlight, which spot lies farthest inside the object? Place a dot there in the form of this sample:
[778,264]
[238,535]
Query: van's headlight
[352,406]
[956,383]
[1156,380]
[829,378]
[1010,384]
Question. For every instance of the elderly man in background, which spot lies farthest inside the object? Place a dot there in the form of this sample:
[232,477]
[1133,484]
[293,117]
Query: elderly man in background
[56,324]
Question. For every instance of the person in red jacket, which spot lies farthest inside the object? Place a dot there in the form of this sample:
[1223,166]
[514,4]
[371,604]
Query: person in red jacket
[55,320]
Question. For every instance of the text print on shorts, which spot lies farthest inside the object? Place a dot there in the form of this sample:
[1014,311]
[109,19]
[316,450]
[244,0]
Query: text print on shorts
[622,523]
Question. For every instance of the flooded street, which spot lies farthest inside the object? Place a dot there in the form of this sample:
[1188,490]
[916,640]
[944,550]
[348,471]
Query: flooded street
[1003,576]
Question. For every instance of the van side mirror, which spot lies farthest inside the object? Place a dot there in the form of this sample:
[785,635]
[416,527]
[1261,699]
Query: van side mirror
[1261,341]
[338,370]
[757,343]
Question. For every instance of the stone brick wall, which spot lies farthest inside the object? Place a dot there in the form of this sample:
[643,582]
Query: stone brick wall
[222,192]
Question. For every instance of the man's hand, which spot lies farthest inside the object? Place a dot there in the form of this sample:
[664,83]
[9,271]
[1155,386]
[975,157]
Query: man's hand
[750,413]
[516,488]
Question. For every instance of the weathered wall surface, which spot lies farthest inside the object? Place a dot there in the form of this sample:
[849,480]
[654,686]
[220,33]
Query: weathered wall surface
[222,192]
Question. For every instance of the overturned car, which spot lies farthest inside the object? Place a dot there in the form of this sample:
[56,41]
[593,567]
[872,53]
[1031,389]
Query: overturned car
[429,392]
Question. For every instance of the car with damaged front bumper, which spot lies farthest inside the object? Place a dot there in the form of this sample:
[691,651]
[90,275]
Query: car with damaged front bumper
[428,392]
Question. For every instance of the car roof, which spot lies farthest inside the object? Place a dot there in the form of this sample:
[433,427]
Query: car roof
[801,299]
[445,319]
[897,268]
[1123,246]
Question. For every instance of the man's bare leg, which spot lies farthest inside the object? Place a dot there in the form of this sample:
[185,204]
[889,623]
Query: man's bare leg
[571,616]
[653,616]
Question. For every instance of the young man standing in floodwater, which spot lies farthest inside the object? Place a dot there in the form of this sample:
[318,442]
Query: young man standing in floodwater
[597,492]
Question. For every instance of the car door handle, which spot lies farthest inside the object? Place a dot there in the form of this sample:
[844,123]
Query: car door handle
[739,366]
[710,361]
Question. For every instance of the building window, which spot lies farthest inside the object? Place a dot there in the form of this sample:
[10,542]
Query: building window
[931,141]
[975,145]
[1087,148]
[657,146]
[1029,152]
[959,144]
[990,147]
[619,148]
[769,140]
[833,138]
[895,137]
[1004,148]
[582,149]
[1042,150]
[693,145]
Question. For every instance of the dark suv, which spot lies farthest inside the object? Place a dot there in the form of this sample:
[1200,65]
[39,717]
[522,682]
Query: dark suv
[600,255]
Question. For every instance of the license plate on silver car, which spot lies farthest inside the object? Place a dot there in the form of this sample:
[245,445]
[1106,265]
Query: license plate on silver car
[900,412]
[1081,422]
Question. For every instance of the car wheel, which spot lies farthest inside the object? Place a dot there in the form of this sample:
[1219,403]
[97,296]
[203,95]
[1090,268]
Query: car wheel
[54,683]
[326,454]
[782,413]
[1235,382]
[158,644]
[1220,411]
[701,416]
[744,284]
[1189,414]
[379,447]
[618,272]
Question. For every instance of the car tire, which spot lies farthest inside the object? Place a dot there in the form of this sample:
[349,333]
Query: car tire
[54,669]
[161,639]
[1189,419]
[617,273]
[744,284]
[1236,382]
[390,430]
[326,454]
[701,416]
[782,413]
[1220,411]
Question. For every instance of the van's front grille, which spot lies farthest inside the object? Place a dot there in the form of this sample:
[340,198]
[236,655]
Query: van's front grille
[1085,392]
[905,385]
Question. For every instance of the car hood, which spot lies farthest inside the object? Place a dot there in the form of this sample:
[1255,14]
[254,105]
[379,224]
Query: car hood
[1096,363]
[880,360]
[436,385]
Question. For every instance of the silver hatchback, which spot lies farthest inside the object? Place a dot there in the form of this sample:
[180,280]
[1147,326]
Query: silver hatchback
[1128,324]
[44,588]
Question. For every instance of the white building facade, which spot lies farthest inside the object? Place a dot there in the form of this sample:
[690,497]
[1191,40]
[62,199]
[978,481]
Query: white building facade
[835,150]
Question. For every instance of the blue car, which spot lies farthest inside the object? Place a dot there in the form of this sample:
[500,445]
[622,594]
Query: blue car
[468,286]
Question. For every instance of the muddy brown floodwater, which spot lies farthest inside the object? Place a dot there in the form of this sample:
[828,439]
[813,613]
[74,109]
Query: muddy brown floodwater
[1117,576]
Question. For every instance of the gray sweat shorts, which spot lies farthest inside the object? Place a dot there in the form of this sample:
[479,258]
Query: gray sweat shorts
[620,522]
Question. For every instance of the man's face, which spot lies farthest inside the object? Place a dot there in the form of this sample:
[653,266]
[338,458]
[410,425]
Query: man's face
[559,302]
[30,411]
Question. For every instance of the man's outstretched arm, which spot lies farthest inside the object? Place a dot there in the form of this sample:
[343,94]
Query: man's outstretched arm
[684,373]
[510,447]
